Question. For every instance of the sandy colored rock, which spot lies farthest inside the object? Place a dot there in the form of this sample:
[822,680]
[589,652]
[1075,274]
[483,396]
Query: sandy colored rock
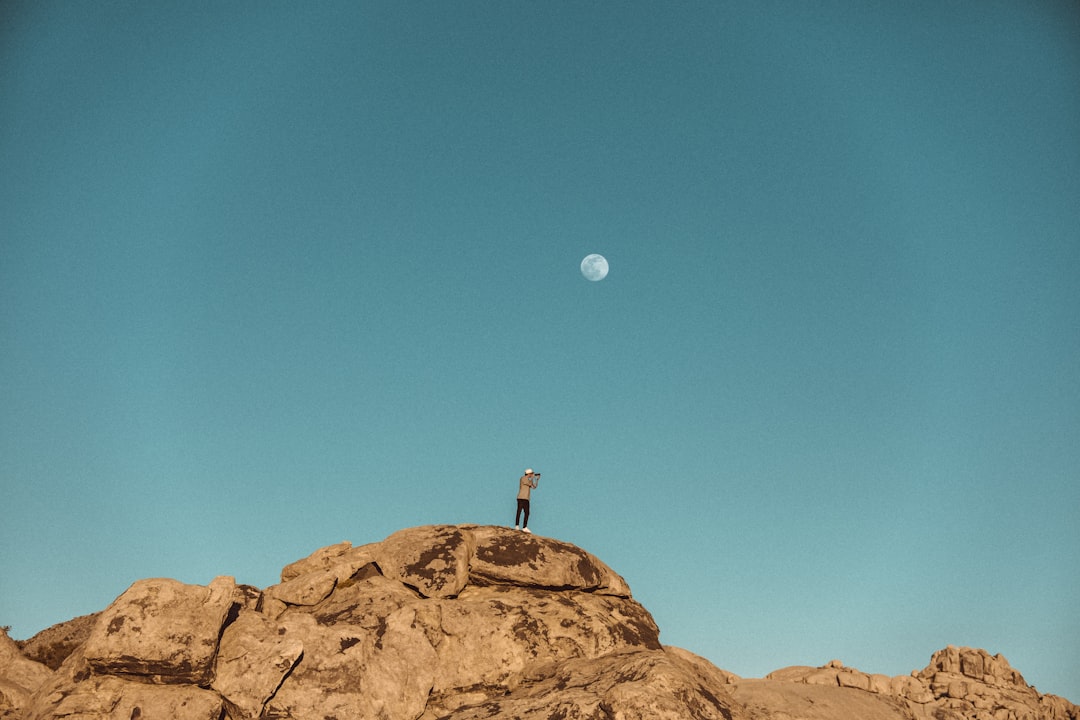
[515,558]
[491,633]
[452,623]
[20,677]
[101,698]
[350,672]
[627,685]
[785,700]
[163,630]
[321,559]
[53,645]
[433,559]
[19,670]
[716,675]
[254,657]
[307,589]
[958,684]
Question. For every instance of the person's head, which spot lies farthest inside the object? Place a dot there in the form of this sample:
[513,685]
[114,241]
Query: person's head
[528,471]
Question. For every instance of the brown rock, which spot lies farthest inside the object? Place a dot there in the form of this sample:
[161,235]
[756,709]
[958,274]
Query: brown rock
[20,676]
[958,684]
[98,698]
[434,559]
[627,685]
[350,672]
[515,558]
[53,645]
[793,673]
[307,589]
[853,679]
[461,622]
[162,630]
[254,657]
[785,700]
[321,559]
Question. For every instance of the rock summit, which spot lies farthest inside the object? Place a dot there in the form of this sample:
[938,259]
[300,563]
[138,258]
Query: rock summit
[459,622]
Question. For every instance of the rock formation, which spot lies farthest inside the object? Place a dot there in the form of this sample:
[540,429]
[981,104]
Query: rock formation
[958,684]
[464,622]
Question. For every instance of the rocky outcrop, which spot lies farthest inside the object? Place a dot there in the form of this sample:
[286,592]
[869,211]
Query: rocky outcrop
[432,622]
[958,684]
[445,622]
[52,646]
[19,677]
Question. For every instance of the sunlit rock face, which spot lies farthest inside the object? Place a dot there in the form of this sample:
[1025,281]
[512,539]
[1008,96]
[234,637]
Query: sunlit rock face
[432,622]
[449,621]
[958,684]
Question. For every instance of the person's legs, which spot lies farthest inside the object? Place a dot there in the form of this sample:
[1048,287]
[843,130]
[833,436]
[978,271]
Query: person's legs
[525,504]
[522,506]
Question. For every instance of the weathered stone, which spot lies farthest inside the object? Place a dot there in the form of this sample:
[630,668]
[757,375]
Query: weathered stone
[101,698]
[350,672]
[461,622]
[958,684]
[973,664]
[307,589]
[853,679]
[434,559]
[911,688]
[702,666]
[624,685]
[879,683]
[53,645]
[20,676]
[785,700]
[254,657]
[792,673]
[363,602]
[491,633]
[162,630]
[321,559]
[341,560]
[514,558]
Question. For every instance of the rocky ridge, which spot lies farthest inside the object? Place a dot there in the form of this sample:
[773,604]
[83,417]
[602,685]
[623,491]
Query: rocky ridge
[450,621]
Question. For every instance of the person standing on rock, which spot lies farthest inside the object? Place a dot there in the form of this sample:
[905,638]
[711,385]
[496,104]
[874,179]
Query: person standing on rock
[526,484]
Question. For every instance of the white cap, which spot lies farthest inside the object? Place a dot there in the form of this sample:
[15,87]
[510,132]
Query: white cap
[528,471]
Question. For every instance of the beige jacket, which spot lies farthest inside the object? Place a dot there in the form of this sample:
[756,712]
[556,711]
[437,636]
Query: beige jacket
[526,485]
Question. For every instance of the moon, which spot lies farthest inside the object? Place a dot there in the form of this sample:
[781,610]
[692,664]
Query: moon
[594,267]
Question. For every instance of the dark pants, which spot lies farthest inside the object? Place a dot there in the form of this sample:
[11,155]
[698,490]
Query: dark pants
[523,505]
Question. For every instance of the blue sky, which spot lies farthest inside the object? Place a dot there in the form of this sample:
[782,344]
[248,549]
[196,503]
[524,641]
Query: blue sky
[275,275]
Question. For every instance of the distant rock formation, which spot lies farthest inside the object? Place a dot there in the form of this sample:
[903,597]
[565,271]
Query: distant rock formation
[443,622]
[958,684]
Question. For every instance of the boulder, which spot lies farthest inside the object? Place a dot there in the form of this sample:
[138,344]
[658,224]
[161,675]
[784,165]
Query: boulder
[20,676]
[434,560]
[161,630]
[350,672]
[307,589]
[321,559]
[380,645]
[98,698]
[53,645]
[255,656]
[627,685]
[786,700]
[529,561]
